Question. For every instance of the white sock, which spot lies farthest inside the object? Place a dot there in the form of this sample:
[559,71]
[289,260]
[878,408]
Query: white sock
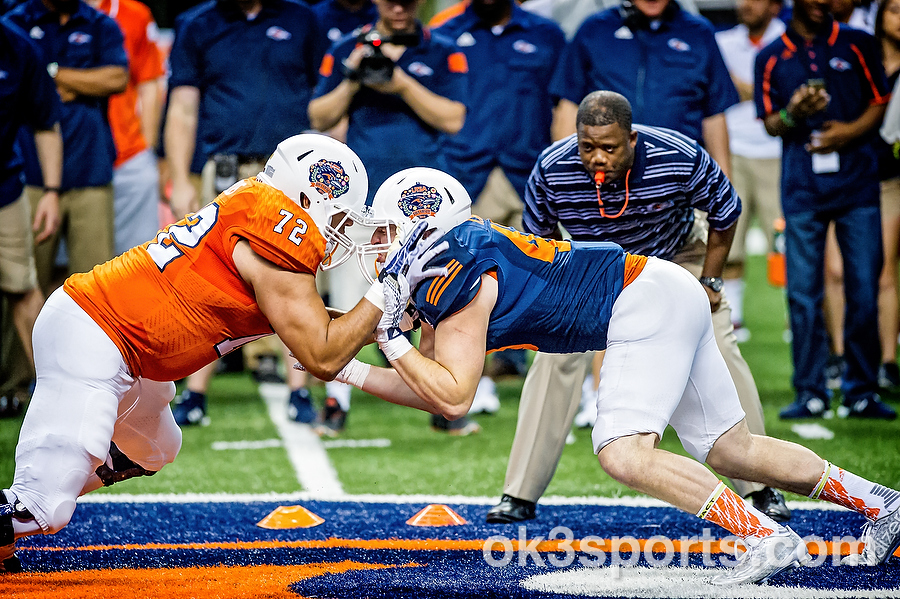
[486,385]
[855,493]
[734,291]
[339,391]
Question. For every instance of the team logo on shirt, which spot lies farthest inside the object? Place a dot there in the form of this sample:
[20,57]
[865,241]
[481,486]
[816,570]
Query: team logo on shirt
[839,64]
[465,40]
[679,45]
[278,34]
[79,38]
[420,69]
[420,201]
[329,178]
[524,47]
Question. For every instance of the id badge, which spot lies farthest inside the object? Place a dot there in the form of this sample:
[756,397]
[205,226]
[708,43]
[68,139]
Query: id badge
[826,163]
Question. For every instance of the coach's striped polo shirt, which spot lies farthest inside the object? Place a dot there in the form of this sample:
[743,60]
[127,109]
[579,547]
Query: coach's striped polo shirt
[670,177]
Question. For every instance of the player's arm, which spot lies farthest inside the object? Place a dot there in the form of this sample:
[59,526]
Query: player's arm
[564,117]
[448,382]
[293,307]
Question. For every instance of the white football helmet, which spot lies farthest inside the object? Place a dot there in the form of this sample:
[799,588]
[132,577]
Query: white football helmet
[406,198]
[325,177]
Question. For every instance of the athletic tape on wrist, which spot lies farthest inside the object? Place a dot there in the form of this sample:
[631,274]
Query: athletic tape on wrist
[395,348]
[375,295]
[354,373]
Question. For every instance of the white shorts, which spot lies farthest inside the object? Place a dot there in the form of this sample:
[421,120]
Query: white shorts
[84,398]
[662,365]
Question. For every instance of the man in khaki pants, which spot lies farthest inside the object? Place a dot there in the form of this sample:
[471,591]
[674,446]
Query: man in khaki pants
[644,195]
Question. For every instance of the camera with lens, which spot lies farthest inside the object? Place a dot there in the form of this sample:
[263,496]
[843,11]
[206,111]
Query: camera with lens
[376,67]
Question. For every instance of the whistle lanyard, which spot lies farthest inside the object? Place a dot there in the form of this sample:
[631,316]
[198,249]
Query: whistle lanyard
[600,201]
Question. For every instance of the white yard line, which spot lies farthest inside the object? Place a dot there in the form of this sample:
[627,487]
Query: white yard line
[676,583]
[329,444]
[372,498]
[303,446]
[813,430]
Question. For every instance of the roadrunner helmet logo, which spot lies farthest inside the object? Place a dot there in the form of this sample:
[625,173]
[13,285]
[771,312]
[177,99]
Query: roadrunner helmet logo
[329,178]
[420,201]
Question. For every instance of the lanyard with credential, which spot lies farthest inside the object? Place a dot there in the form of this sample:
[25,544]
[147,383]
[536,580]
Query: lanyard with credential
[599,178]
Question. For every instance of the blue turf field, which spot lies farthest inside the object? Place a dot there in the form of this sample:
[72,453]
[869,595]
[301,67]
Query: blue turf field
[444,563]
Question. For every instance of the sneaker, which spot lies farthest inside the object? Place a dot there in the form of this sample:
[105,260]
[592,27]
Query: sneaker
[267,370]
[190,409]
[889,377]
[834,371]
[868,407]
[461,427]
[881,539]
[486,400]
[771,503]
[765,557]
[9,563]
[806,405]
[11,404]
[332,419]
[300,408]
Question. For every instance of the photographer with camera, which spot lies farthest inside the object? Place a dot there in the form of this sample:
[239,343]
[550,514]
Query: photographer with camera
[402,87]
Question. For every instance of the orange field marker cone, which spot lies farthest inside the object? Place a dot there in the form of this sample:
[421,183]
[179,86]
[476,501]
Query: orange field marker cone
[436,514]
[290,516]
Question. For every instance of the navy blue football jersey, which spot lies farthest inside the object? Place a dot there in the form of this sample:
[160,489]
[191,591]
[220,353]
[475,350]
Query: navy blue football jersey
[554,296]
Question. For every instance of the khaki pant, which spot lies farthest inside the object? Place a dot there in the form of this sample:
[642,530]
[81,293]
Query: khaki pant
[552,393]
[87,224]
[758,184]
[499,202]
[270,345]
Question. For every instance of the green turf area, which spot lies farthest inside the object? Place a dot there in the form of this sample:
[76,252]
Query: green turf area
[422,461]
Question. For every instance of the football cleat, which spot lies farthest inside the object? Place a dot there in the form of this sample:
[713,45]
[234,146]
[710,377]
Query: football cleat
[9,562]
[881,539]
[190,409]
[765,557]
[771,503]
[119,467]
[300,408]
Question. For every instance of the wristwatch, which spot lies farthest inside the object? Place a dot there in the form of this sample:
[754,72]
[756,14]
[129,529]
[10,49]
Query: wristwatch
[714,283]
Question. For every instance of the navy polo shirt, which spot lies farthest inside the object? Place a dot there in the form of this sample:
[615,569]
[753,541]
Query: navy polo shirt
[673,76]
[255,76]
[848,60]
[335,21]
[510,107]
[387,135]
[27,96]
[88,40]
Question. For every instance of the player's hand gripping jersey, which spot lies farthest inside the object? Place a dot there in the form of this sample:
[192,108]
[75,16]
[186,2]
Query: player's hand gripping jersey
[554,296]
[177,303]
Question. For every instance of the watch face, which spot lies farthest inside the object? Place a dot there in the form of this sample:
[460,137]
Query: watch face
[714,283]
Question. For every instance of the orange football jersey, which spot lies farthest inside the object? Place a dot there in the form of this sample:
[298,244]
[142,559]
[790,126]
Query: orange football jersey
[177,303]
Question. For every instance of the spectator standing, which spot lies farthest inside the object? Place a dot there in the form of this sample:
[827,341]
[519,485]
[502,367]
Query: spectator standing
[242,73]
[399,120]
[28,98]
[338,18]
[134,116]
[821,88]
[755,155]
[404,121]
[648,187]
[82,49]
[494,152]
[887,32]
